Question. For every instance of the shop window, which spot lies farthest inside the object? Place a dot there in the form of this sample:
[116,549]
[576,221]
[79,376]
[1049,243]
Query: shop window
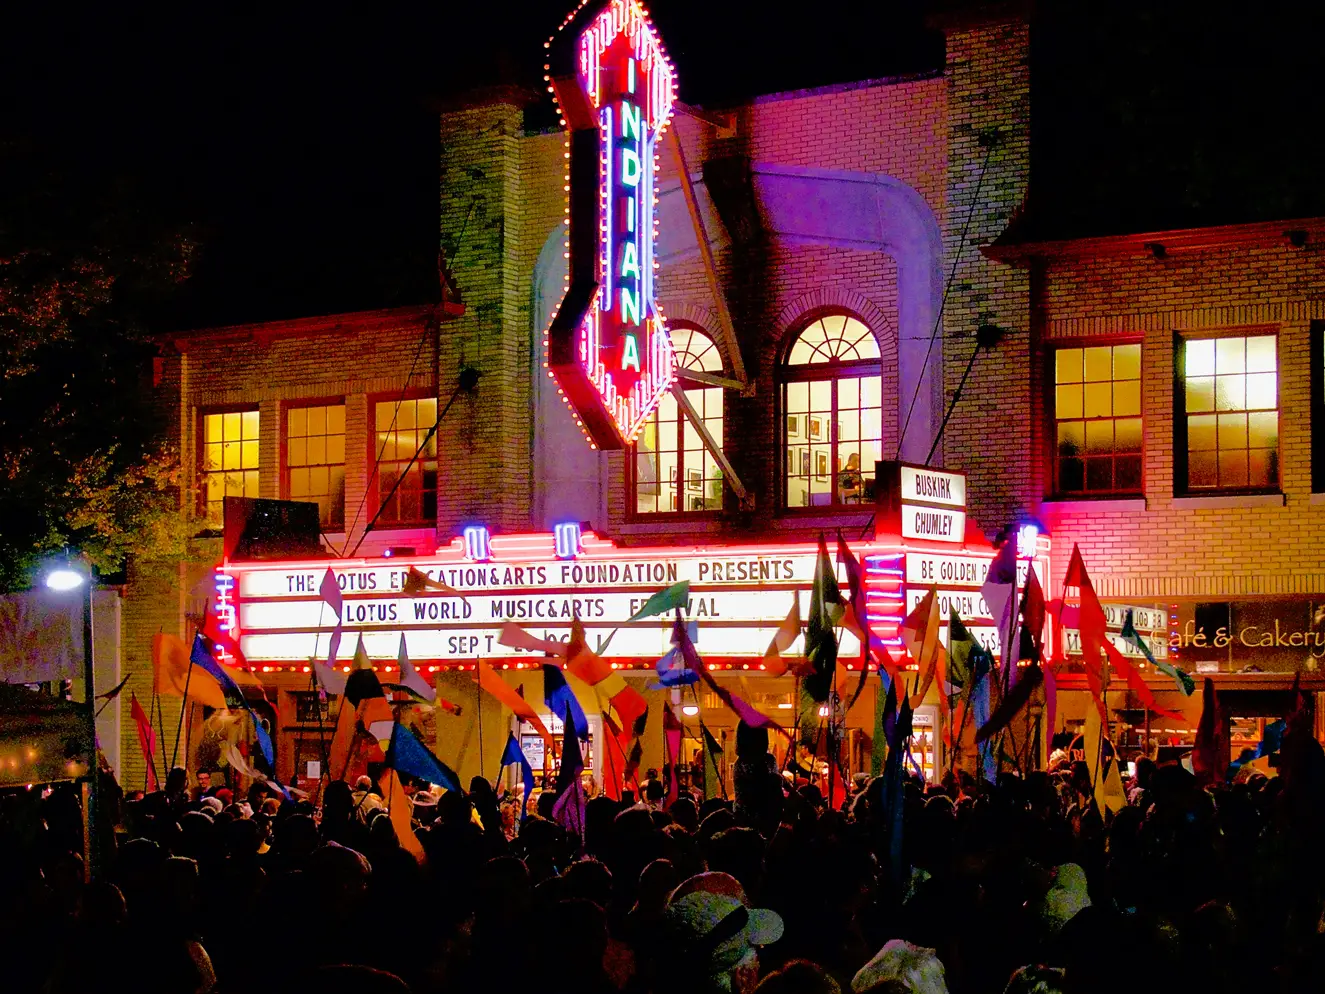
[229,461]
[401,427]
[1097,420]
[832,411]
[673,471]
[315,459]
[1317,357]
[1229,395]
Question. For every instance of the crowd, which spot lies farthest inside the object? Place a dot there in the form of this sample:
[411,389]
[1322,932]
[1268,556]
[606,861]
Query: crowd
[1019,886]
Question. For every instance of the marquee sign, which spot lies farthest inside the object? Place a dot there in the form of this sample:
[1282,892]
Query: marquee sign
[608,345]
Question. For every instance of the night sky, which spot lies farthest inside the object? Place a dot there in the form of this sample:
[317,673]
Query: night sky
[300,148]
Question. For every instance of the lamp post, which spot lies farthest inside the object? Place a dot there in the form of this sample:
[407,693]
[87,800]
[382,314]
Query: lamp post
[63,577]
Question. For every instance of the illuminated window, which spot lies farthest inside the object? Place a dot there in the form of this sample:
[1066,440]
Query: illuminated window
[401,428]
[1097,415]
[832,406]
[315,459]
[229,461]
[1230,396]
[1316,351]
[673,469]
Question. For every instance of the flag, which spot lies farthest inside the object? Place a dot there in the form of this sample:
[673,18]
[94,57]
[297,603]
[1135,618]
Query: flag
[636,750]
[1033,612]
[980,707]
[408,755]
[234,697]
[514,756]
[329,590]
[568,811]
[1107,783]
[1185,683]
[1211,754]
[753,718]
[788,632]
[171,676]
[328,680]
[920,634]
[899,736]
[885,703]
[1136,682]
[677,596]
[409,676]
[517,638]
[416,582]
[825,613]
[362,702]
[998,590]
[596,672]
[114,691]
[401,813]
[146,738]
[1091,624]
[560,699]
[1012,702]
[713,752]
[489,680]
[671,753]
[673,672]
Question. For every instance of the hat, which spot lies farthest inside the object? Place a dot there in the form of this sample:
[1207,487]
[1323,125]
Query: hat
[714,882]
[211,805]
[918,969]
[714,932]
[1066,896]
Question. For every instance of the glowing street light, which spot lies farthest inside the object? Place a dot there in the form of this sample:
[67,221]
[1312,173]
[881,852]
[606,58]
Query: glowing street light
[64,578]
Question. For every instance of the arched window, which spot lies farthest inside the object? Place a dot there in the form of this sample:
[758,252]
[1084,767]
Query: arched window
[672,469]
[832,406]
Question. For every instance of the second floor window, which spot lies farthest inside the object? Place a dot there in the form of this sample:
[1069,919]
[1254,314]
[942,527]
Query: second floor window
[229,463]
[1097,420]
[673,469]
[1230,396]
[315,459]
[400,429]
[832,404]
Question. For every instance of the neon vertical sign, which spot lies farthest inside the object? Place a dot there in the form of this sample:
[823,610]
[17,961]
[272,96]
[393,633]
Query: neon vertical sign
[608,346]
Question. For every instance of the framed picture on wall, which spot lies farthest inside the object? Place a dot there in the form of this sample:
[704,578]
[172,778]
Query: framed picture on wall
[694,479]
[793,426]
[821,465]
[805,462]
[816,428]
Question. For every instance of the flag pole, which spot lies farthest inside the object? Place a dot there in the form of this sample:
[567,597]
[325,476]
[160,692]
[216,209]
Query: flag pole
[174,752]
[478,706]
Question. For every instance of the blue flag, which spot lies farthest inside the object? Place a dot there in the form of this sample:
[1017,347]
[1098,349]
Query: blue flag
[234,697]
[561,699]
[514,756]
[407,754]
[673,672]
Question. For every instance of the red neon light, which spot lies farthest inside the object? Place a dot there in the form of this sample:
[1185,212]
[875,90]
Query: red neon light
[608,345]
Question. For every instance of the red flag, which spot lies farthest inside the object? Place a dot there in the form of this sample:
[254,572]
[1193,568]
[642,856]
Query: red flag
[1136,682]
[1092,625]
[1211,754]
[146,738]
[1033,610]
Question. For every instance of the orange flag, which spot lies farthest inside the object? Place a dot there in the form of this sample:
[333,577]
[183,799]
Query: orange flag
[598,673]
[920,633]
[786,634]
[498,688]
[1092,626]
[417,581]
[401,812]
[170,673]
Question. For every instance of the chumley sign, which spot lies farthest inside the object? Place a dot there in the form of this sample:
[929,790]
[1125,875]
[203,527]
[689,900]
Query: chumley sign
[608,345]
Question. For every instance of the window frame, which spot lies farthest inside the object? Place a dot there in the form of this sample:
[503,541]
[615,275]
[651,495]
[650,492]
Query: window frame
[1316,354]
[632,495]
[1181,488]
[831,371]
[285,409]
[1050,420]
[372,480]
[200,454]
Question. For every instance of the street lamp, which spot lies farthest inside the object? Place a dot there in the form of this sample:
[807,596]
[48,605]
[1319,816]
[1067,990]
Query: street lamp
[64,576]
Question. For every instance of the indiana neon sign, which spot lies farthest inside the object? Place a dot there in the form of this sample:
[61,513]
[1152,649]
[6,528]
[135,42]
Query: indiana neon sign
[608,345]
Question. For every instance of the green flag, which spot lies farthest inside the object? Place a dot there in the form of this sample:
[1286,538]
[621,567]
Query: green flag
[879,744]
[667,599]
[713,786]
[826,610]
[1185,683]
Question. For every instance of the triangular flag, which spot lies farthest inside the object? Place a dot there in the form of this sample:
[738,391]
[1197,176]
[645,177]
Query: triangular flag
[885,702]
[788,632]
[409,676]
[517,638]
[330,592]
[820,639]
[171,674]
[560,699]
[673,672]
[1185,683]
[408,755]
[329,681]
[416,582]
[672,733]
[1106,782]
[998,590]
[146,738]
[668,599]
[489,680]
[1091,624]
[744,711]
[920,634]
[598,673]
[361,660]
[568,811]
[234,697]
[1136,682]
[713,785]
[513,755]
[401,813]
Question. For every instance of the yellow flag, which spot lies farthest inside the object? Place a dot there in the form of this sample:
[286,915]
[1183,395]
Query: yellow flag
[1108,784]
[401,812]
[170,673]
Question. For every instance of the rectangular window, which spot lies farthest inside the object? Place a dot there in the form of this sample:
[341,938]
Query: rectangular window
[1097,420]
[673,469]
[315,459]
[1230,399]
[400,429]
[229,463]
[1317,357]
[832,437]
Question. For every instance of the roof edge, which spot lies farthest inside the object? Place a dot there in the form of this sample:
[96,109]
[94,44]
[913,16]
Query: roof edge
[303,327]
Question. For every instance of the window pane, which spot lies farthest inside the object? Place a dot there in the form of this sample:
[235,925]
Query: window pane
[250,424]
[1099,438]
[821,396]
[1099,399]
[1099,474]
[1068,401]
[871,391]
[1201,432]
[1127,362]
[211,427]
[1262,468]
[1230,355]
[1127,397]
[1127,435]
[1200,393]
[1230,393]
[1067,366]
[1200,357]
[1099,364]
[248,455]
[230,425]
[230,455]
[1263,430]
[1232,431]
[848,394]
[1261,391]
[798,397]
[1127,473]
[211,456]
[1233,468]
[336,420]
[1071,474]
[1071,438]
[1202,469]
[1260,354]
